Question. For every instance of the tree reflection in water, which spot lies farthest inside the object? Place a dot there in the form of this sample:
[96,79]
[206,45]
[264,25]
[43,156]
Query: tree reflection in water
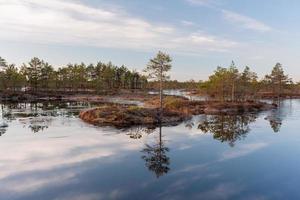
[155,156]
[2,131]
[275,117]
[37,128]
[138,132]
[228,128]
[38,116]
[189,124]
[3,128]
[275,121]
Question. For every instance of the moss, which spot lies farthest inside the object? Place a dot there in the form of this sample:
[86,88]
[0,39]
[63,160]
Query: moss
[174,103]
[134,108]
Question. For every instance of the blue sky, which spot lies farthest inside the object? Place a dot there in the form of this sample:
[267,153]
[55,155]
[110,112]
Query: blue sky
[199,34]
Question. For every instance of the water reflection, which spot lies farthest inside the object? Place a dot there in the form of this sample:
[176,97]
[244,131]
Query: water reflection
[38,116]
[181,93]
[139,131]
[35,128]
[155,156]
[78,161]
[275,121]
[276,116]
[227,128]
[2,131]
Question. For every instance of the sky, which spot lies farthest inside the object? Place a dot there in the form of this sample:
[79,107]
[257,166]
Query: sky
[198,34]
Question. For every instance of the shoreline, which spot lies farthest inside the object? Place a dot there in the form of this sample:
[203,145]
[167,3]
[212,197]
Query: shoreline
[79,97]
[142,95]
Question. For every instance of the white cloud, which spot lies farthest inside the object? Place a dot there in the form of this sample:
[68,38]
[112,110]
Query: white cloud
[206,3]
[197,41]
[187,23]
[74,23]
[57,21]
[201,2]
[245,22]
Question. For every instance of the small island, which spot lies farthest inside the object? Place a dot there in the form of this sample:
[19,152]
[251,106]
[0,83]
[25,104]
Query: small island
[175,111]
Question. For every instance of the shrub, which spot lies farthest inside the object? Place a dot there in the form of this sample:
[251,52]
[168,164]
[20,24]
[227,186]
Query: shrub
[173,103]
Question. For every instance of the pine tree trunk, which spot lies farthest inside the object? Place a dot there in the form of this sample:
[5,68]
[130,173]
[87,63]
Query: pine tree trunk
[161,94]
[279,94]
[232,91]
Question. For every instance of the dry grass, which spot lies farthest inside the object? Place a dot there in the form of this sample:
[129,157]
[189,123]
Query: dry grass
[125,116]
[176,110]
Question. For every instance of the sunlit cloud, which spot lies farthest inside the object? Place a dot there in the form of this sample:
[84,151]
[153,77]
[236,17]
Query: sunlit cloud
[197,41]
[74,23]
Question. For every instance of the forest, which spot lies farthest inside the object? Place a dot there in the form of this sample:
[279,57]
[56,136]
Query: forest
[38,75]
[228,84]
[225,84]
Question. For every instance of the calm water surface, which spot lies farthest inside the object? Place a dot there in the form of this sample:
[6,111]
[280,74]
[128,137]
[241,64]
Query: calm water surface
[48,153]
[182,93]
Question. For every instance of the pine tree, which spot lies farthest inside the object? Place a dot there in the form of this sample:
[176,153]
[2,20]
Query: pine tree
[157,69]
[278,79]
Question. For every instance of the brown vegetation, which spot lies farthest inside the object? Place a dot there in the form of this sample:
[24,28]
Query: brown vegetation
[176,110]
[183,105]
[126,116]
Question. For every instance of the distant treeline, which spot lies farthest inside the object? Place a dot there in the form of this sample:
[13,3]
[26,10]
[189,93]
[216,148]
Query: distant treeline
[38,75]
[228,84]
[225,84]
